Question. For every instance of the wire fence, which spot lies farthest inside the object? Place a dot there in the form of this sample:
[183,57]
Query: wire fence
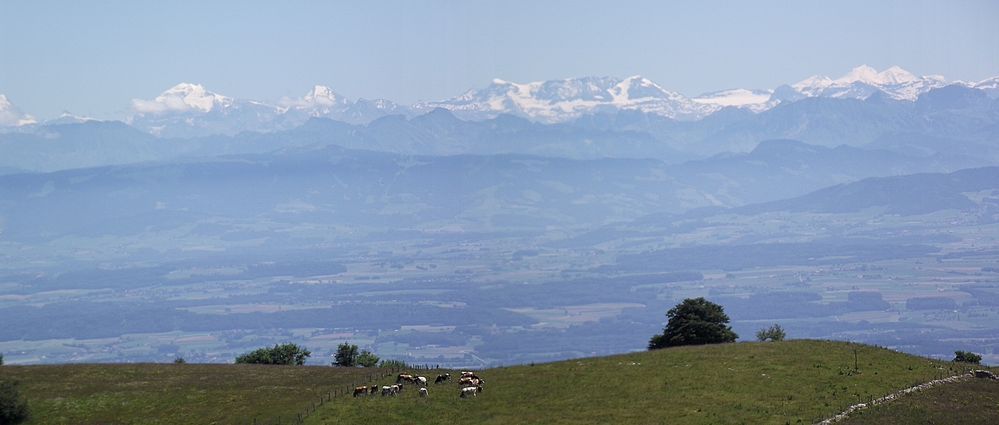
[332,394]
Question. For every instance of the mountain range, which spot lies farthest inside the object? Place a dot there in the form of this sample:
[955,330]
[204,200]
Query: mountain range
[954,126]
[191,110]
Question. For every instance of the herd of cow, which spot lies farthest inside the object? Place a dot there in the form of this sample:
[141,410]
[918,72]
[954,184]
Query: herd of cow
[469,385]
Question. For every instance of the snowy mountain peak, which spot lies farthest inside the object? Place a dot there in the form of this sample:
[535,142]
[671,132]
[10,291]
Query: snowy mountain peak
[754,100]
[320,101]
[862,73]
[813,81]
[566,99]
[866,74]
[11,115]
[322,95]
[638,87]
[897,75]
[863,81]
[182,97]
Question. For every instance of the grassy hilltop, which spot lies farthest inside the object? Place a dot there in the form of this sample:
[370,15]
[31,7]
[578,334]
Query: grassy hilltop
[784,382]
[787,382]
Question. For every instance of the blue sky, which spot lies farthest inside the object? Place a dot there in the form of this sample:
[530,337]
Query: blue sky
[92,58]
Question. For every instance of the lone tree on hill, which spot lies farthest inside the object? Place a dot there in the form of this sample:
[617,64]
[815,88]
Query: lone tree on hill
[284,354]
[346,355]
[695,321]
[773,333]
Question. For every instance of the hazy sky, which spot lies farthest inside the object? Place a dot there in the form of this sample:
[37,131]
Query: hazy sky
[92,58]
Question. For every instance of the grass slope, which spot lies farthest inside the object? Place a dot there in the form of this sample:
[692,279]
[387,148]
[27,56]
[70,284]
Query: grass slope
[968,402]
[172,394]
[788,382]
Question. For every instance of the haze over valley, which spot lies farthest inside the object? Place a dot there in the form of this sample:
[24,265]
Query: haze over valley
[510,224]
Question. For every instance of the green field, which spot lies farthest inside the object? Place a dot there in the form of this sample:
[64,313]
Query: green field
[174,394]
[968,402]
[786,382]
[789,382]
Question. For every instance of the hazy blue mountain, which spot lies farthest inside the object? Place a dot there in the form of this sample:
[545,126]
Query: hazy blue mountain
[778,169]
[336,186]
[88,144]
[974,190]
[953,113]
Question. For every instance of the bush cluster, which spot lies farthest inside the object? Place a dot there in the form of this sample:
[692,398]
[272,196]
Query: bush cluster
[284,354]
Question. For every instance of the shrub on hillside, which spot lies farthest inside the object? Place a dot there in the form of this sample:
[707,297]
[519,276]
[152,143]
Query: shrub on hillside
[13,408]
[773,333]
[695,321]
[284,354]
[393,364]
[967,357]
[179,360]
[346,355]
[367,359]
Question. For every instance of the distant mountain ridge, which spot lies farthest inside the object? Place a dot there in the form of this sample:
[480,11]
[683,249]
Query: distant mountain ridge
[191,110]
[953,126]
[975,189]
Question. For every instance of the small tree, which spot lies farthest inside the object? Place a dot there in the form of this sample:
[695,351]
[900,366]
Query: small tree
[695,321]
[179,360]
[1,359]
[367,359]
[346,355]
[284,354]
[773,333]
[13,409]
[967,357]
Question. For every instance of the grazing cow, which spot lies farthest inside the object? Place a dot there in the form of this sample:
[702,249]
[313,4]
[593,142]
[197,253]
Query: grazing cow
[470,392]
[470,382]
[424,392]
[466,374]
[405,377]
[442,378]
[387,390]
[373,389]
[360,391]
[421,381]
